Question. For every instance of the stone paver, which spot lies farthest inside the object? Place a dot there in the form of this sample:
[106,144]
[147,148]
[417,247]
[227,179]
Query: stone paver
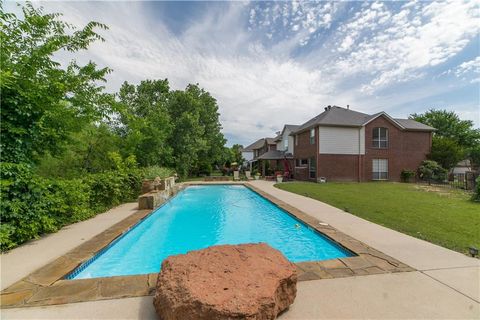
[15,265]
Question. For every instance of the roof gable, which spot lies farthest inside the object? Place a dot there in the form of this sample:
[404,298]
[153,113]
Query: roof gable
[337,116]
[256,145]
[290,127]
[386,116]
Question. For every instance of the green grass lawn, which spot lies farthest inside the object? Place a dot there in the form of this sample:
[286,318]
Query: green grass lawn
[439,215]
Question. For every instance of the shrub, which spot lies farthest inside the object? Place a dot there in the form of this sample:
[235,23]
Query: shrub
[25,204]
[430,170]
[156,171]
[406,175]
[32,205]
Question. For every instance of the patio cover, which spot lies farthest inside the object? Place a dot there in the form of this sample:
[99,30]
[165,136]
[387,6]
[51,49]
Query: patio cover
[275,155]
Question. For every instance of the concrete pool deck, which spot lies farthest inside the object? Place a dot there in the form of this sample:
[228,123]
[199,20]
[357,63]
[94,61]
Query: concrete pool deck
[446,284]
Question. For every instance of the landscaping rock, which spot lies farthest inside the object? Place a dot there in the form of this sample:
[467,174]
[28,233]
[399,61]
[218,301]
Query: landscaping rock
[147,186]
[248,281]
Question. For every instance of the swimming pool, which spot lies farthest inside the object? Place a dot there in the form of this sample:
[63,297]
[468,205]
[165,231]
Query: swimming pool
[202,216]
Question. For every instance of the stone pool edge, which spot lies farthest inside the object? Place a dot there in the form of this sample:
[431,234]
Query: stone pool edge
[47,286]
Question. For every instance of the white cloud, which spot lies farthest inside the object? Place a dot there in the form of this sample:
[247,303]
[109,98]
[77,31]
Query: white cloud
[468,66]
[399,45]
[260,87]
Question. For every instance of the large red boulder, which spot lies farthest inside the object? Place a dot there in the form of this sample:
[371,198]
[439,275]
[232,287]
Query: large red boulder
[247,281]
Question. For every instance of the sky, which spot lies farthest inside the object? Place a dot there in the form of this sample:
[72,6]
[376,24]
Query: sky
[273,63]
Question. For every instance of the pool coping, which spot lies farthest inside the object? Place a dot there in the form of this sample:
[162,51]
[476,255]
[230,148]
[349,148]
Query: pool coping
[47,286]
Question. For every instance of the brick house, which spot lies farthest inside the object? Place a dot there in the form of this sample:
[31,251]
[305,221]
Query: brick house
[345,145]
[257,149]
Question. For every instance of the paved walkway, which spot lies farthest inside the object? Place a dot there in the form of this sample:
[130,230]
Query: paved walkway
[23,260]
[446,284]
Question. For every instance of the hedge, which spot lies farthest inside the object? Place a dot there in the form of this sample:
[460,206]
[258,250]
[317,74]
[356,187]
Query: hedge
[32,205]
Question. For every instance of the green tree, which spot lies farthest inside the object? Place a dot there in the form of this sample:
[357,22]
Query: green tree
[196,139]
[237,154]
[213,141]
[87,152]
[43,103]
[474,155]
[454,139]
[431,170]
[145,122]
[446,152]
[449,125]
[187,136]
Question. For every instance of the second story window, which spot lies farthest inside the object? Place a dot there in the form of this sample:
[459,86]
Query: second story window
[380,138]
[285,144]
[312,136]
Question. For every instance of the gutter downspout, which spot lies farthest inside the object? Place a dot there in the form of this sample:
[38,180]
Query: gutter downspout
[317,155]
[359,153]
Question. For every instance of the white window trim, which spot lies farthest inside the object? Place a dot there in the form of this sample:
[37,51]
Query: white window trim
[379,172]
[376,143]
[312,135]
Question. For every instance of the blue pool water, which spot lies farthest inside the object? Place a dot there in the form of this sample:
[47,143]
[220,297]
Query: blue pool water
[202,216]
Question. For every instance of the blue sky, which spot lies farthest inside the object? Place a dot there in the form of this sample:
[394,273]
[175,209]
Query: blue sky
[271,63]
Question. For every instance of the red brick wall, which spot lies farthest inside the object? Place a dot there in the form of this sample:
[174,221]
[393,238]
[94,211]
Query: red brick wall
[406,149]
[304,150]
[339,167]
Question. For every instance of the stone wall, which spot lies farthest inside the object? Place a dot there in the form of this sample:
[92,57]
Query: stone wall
[163,190]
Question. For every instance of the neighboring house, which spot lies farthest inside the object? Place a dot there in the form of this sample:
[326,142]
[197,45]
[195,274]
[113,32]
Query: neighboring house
[284,140]
[280,152]
[258,148]
[344,145]
[247,155]
[462,167]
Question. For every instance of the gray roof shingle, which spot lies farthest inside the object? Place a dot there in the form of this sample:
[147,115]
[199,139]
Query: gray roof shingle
[270,140]
[290,127]
[337,116]
[256,145]
[414,125]
[275,155]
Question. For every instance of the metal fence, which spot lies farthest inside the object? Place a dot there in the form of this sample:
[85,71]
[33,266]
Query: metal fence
[465,181]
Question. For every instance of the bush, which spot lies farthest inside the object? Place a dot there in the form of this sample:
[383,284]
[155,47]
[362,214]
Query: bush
[430,170]
[476,192]
[406,175]
[25,203]
[156,171]
[32,205]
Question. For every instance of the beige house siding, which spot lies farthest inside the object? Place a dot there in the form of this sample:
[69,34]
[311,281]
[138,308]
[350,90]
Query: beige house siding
[341,140]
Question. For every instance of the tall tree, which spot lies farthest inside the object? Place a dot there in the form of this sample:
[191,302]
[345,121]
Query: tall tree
[42,102]
[145,122]
[449,125]
[237,153]
[187,136]
[212,137]
[454,139]
[446,152]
